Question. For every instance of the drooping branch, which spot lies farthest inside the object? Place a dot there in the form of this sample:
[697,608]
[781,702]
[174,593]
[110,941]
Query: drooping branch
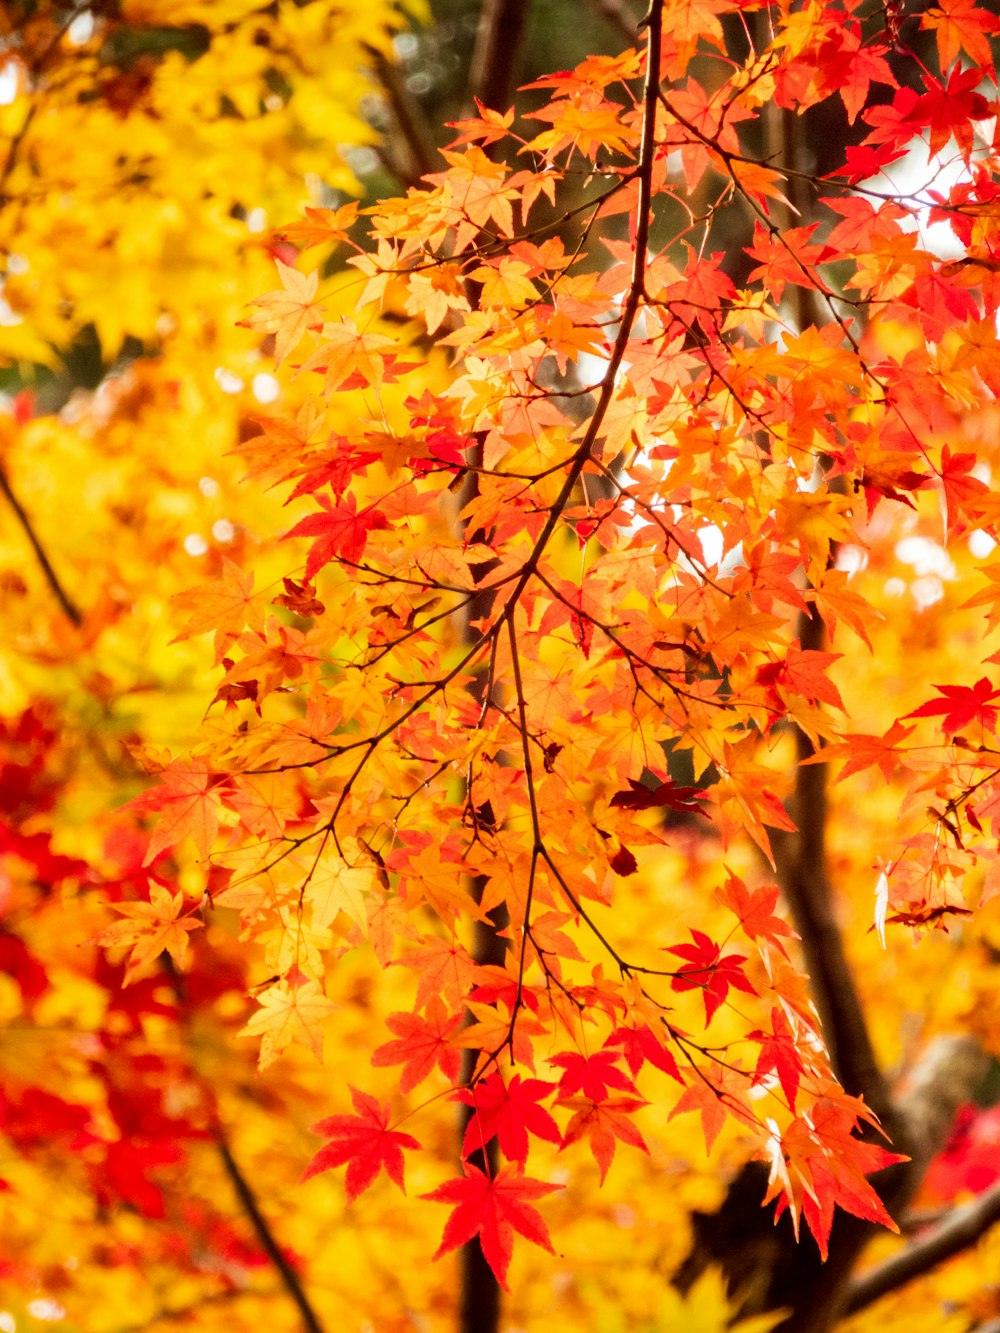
[960,1231]
[182,1313]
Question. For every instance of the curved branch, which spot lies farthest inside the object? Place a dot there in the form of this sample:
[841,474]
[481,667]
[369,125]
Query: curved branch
[180,1313]
[960,1232]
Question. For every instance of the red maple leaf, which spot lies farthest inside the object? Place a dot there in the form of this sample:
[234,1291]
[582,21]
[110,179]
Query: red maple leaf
[591,1075]
[802,672]
[861,221]
[779,1051]
[950,109]
[962,706]
[124,1173]
[340,531]
[963,492]
[709,971]
[970,1162]
[510,1112]
[667,794]
[641,1045]
[422,1043]
[493,1208]
[755,909]
[365,1142]
[820,1165]
[24,969]
[603,1123]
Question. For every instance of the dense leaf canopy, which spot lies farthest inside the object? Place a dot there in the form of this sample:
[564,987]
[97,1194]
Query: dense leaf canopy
[555,606]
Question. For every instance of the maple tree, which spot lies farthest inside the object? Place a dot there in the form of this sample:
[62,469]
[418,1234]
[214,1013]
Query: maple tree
[609,447]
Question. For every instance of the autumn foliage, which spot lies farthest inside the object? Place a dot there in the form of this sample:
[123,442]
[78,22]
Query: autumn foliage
[639,485]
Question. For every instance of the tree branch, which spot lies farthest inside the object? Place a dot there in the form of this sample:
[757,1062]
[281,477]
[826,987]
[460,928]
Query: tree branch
[409,118]
[241,1186]
[618,14]
[960,1232]
[69,607]
[801,856]
[249,1204]
[185,1312]
[801,867]
[494,58]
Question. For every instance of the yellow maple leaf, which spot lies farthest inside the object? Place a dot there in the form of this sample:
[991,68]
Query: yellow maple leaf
[289,1013]
[288,311]
[336,886]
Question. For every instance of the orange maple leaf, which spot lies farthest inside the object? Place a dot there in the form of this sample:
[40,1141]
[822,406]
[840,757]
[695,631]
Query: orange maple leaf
[224,607]
[151,929]
[962,25]
[321,226]
[603,1123]
[755,909]
[817,1164]
[289,1012]
[187,797]
[862,751]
